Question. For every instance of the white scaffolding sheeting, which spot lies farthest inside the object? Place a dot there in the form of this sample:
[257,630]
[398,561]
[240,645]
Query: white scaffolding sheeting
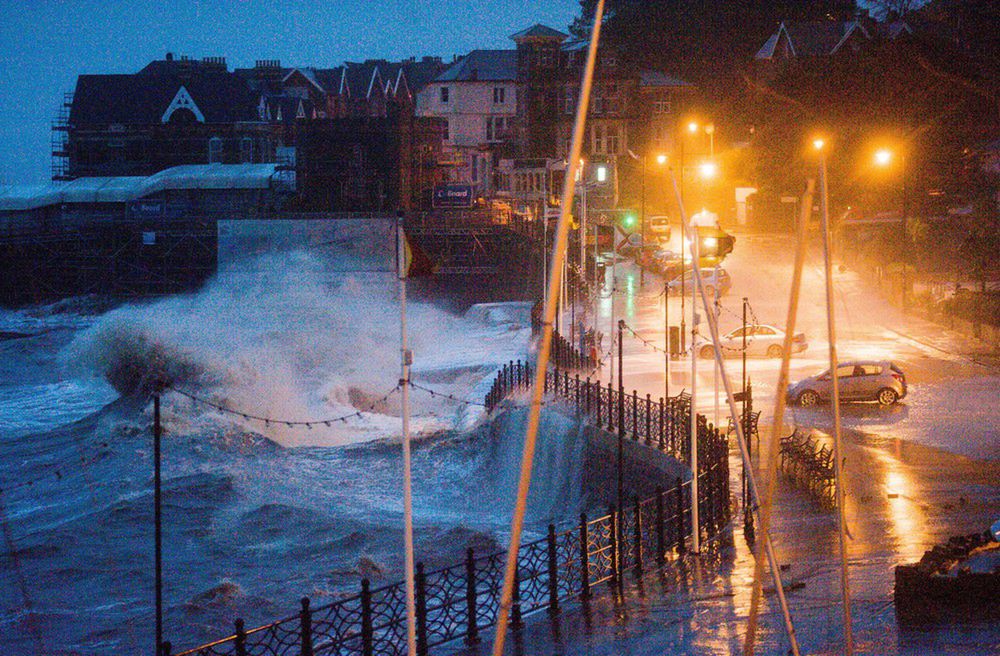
[126,188]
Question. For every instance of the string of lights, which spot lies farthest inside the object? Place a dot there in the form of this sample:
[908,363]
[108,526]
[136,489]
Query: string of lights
[441,395]
[290,423]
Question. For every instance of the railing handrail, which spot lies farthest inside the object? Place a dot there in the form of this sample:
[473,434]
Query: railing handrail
[610,549]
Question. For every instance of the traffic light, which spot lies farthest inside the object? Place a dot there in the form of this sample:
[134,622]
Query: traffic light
[714,244]
[629,221]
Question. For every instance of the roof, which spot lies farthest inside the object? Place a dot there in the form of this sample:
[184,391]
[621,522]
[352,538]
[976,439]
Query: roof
[812,38]
[126,188]
[658,79]
[221,97]
[539,31]
[482,65]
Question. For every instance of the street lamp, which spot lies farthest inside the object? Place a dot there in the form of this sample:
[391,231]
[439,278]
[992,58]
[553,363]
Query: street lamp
[883,159]
[708,170]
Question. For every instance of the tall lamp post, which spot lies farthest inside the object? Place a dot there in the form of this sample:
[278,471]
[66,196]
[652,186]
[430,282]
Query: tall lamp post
[883,159]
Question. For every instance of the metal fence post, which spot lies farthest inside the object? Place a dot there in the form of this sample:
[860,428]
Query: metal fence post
[584,558]
[660,546]
[681,546]
[637,534]
[649,419]
[588,396]
[635,415]
[576,392]
[241,638]
[615,565]
[421,590]
[662,435]
[367,632]
[305,628]
[598,404]
[515,609]
[472,621]
[553,571]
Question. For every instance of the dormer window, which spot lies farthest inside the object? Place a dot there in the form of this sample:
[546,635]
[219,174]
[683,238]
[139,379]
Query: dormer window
[499,95]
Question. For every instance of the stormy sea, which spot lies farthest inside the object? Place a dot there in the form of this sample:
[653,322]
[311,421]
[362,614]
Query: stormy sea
[256,513]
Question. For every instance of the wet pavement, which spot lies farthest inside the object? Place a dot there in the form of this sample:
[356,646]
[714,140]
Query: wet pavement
[916,474]
[901,500]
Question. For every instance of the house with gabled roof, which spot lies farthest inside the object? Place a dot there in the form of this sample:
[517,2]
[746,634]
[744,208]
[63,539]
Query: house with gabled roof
[477,98]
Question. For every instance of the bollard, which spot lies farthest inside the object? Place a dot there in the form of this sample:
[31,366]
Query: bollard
[553,571]
[472,622]
[305,628]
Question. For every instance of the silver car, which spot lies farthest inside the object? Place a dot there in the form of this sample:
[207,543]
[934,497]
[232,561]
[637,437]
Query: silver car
[865,380]
[761,340]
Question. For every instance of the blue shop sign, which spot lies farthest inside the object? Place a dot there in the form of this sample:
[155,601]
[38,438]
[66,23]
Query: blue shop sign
[453,195]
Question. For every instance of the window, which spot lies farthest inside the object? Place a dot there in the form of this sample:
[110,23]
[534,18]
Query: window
[499,94]
[764,330]
[496,128]
[569,100]
[446,135]
[661,107]
[445,92]
[246,150]
[845,371]
[661,137]
[605,99]
[871,369]
[215,150]
[606,139]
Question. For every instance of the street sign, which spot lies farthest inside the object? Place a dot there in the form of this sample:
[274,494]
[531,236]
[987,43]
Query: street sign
[453,195]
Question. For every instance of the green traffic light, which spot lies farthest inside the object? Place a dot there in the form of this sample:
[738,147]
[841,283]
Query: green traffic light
[628,220]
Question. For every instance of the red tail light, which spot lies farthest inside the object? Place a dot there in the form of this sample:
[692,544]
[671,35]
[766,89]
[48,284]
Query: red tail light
[899,377]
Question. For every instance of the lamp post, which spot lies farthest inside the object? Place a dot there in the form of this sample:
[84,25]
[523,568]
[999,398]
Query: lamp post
[884,158]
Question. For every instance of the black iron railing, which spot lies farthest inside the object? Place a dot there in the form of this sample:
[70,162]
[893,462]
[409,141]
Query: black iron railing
[457,602]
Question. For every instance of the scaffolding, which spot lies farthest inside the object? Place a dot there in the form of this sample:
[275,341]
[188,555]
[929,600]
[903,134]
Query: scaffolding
[60,139]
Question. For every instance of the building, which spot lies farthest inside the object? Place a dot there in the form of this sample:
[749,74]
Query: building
[477,99]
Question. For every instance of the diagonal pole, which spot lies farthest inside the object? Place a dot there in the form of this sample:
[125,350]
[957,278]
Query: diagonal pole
[713,326]
[837,441]
[764,513]
[534,413]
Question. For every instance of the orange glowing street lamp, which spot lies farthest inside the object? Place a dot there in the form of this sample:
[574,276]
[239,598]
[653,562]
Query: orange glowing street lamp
[883,158]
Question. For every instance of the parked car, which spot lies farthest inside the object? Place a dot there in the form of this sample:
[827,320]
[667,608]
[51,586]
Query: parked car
[866,380]
[761,340]
[708,278]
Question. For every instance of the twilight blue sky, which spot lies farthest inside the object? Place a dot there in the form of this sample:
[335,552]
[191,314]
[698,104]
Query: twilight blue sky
[45,44]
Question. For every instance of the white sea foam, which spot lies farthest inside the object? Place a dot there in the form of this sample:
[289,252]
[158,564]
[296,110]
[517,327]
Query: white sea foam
[295,343]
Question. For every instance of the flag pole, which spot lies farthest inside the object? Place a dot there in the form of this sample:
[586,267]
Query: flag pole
[544,346]
[405,360]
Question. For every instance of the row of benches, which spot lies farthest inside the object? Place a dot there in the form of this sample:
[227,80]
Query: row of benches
[809,464]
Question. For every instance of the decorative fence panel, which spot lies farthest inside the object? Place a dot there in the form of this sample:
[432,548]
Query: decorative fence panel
[461,600]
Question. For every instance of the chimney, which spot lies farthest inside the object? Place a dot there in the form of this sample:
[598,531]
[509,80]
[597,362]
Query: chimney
[170,56]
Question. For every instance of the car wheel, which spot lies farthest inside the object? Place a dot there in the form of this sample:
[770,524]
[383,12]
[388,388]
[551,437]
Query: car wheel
[887,396]
[774,351]
[808,399]
[706,352]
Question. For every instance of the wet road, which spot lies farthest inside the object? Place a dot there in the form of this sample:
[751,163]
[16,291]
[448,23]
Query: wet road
[915,474]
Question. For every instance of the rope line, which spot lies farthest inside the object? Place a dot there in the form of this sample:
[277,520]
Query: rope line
[291,423]
[450,397]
